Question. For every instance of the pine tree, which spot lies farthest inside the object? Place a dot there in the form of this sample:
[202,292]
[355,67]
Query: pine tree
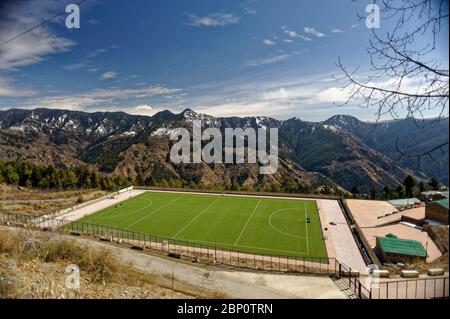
[434,184]
[373,192]
[409,184]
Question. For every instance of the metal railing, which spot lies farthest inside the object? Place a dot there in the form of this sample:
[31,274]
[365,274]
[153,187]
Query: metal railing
[196,251]
[393,289]
[352,281]
[421,288]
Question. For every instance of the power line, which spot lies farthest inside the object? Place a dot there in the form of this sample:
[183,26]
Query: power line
[38,25]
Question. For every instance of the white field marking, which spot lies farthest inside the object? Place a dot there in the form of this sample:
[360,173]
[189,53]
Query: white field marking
[306,226]
[132,213]
[280,231]
[193,219]
[243,246]
[242,231]
[232,195]
[140,219]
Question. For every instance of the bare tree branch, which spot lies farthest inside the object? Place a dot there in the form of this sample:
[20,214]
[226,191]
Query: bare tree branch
[405,79]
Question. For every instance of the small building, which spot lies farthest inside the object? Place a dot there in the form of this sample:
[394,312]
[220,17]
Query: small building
[430,196]
[392,249]
[405,203]
[437,210]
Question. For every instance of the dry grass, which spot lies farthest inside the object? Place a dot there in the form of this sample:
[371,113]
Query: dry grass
[441,233]
[40,202]
[422,266]
[33,265]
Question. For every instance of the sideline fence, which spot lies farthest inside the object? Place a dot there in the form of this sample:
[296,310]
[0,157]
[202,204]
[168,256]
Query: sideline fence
[195,251]
[394,289]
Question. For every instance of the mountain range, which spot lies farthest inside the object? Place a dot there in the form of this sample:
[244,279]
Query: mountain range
[341,152]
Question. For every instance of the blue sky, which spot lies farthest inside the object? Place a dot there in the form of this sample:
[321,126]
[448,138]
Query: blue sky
[224,58]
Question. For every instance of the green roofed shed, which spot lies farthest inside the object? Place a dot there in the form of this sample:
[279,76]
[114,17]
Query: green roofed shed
[442,202]
[393,249]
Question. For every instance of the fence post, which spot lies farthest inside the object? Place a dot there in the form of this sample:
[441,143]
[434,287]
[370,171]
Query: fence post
[443,291]
[254,261]
[359,290]
[349,276]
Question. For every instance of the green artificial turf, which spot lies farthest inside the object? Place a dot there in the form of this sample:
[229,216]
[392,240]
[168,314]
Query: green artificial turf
[269,226]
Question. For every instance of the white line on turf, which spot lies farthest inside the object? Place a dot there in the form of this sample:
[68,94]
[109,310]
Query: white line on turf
[140,219]
[279,230]
[193,219]
[243,229]
[131,213]
[306,226]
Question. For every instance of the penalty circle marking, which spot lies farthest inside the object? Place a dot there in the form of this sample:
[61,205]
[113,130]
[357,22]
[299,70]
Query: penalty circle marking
[281,231]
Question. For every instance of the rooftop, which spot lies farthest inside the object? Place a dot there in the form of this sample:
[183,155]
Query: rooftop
[404,201]
[430,193]
[443,202]
[402,246]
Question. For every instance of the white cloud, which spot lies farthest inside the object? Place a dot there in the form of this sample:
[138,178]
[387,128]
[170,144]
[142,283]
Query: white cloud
[101,97]
[311,30]
[35,45]
[288,40]
[294,34]
[96,53]
[144,108]
[333,95]
[268,42]
[8,90]
[76,66]
[269,60]
[336,30]
[354,25]
[249,11]
[108,75]
[281,97]
[279,94]
[218,19]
